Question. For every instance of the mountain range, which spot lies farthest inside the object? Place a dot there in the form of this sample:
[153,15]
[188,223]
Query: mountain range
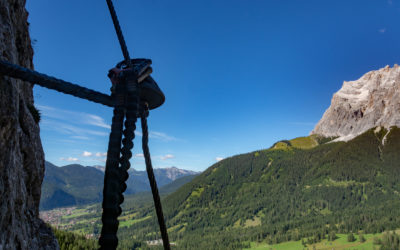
[297,188]
[77,185]
[342,178]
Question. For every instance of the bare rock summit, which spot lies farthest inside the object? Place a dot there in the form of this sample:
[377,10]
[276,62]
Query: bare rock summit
[371,101]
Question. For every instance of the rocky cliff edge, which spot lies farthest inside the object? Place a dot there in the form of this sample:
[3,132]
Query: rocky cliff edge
[371,101]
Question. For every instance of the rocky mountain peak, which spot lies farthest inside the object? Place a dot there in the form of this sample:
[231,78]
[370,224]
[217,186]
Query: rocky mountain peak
[371,101]
[174,173]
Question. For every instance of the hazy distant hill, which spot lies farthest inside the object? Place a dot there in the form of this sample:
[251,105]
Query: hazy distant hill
[76,185]
[139,182]
[70,185]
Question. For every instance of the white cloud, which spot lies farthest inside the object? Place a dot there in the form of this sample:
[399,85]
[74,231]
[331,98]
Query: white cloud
[99,154]
[69,159]
[158,135]
[102,160]
[95,121]
[63,141]
[74,131]
[66,121]
[73,116]
[167,156]
[218,158]
[138,156]
[80,137]
[161,136]
[382,30]
[87,154]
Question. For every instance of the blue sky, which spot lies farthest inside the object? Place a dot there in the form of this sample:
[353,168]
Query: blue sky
[237,75]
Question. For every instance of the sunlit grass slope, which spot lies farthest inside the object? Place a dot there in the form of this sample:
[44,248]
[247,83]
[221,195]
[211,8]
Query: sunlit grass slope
[294,189]
[340,243]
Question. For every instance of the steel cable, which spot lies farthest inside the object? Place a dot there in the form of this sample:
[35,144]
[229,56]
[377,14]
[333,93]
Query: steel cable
[152,179]
[125,102]
[112,187]
[119,34]
[16,71]
[132,107]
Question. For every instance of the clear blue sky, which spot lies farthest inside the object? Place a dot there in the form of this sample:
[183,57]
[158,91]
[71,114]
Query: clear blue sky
[237,75]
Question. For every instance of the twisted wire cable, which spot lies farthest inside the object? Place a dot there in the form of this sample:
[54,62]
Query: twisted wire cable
[127,98]
[111,191]
[119,33]
[16,71]
[132,106]
[152,179]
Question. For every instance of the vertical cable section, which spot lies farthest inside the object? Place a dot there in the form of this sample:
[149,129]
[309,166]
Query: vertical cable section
[119,33]
[152,179]
[111,191]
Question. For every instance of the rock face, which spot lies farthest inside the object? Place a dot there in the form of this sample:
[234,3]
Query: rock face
[21,153]
[371,101]
[174,173]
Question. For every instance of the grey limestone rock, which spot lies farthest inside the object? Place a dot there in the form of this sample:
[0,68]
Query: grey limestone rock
[371,101]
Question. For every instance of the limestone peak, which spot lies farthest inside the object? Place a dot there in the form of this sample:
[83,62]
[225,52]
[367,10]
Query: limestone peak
[371,101]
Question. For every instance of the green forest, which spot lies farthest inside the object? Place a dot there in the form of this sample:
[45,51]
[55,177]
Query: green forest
[304,189]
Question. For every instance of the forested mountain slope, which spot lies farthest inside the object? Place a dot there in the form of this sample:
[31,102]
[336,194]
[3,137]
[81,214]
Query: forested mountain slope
[78,185]
[297,188]
[70,185]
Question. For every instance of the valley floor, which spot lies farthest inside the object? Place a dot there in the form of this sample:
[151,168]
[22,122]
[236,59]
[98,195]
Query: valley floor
[338,244]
